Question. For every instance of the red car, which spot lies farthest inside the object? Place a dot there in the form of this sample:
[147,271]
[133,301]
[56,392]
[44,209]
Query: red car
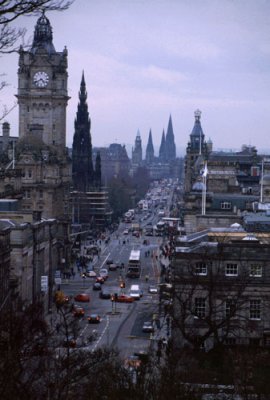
[82,297]
[124,298]
[100,279]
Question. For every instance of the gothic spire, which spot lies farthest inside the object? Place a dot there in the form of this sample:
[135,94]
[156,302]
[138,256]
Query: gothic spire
[170,144]
[43,36]
[162,148]
[149,156]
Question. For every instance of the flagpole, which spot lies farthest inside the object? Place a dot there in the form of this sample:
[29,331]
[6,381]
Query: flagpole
[261,196]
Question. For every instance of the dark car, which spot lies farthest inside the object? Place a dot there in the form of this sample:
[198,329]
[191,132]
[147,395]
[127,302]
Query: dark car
[109,261]
[94,319]
[112,267]
[97,286]
[105,294]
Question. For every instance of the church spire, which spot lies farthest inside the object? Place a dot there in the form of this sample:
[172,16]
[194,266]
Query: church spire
[162,148]
[149,156]
[43,36]
[170,144]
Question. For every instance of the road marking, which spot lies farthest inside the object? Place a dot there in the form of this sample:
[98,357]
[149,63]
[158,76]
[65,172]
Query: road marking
[102,333]
[104,261]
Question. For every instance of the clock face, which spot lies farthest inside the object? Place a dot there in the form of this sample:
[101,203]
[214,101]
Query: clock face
[41,79]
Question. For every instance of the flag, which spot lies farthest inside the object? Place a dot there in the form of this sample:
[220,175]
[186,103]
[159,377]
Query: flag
[205,171]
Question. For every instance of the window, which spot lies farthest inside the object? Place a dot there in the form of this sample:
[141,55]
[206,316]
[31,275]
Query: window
[200,307]
[29,173]
[230,308]
[255,309]
[201,268]
[225,205]
[230,341]
[231,270]
[255,270]
[41,194]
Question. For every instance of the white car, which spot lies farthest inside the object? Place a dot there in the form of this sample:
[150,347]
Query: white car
[125,232]
[91,274]
[148,327]
[152,289]
[104,273]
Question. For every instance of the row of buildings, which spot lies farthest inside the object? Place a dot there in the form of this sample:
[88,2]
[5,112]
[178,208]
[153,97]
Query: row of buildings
[42,188]
[221,267]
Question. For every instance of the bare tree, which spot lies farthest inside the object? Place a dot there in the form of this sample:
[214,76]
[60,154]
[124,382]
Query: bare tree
[10,35]
[10,10]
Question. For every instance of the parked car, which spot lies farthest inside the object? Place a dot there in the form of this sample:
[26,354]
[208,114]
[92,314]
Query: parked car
[109,261]
[104,294]
[123,298]
[78,311]
[82,297]
[93,319]
[97,286]
[125,232]
[148,327]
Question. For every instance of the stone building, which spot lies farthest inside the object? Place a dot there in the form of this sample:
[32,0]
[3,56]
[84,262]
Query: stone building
[114,162]
[221,288]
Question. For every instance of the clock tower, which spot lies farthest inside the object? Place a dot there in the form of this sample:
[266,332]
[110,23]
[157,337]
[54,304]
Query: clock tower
[41,152]
[42,91]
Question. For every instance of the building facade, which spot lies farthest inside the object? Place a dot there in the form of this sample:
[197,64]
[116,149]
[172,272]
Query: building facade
[221,288]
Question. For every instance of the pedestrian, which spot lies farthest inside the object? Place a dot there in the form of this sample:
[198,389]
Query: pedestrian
[146,278]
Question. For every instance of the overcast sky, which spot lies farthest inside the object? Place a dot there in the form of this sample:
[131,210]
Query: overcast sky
[146,59]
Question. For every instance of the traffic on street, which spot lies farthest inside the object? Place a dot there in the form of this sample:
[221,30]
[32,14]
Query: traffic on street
[115,285]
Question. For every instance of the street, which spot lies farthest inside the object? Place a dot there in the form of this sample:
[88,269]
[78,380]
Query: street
[121,323]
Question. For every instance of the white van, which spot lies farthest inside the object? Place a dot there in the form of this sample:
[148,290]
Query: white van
[135,292]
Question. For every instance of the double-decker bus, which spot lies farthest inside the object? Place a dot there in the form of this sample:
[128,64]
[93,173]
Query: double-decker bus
[134,264]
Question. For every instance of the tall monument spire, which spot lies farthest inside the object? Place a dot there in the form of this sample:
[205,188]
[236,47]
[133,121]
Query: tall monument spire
[149,156]
[82,166]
